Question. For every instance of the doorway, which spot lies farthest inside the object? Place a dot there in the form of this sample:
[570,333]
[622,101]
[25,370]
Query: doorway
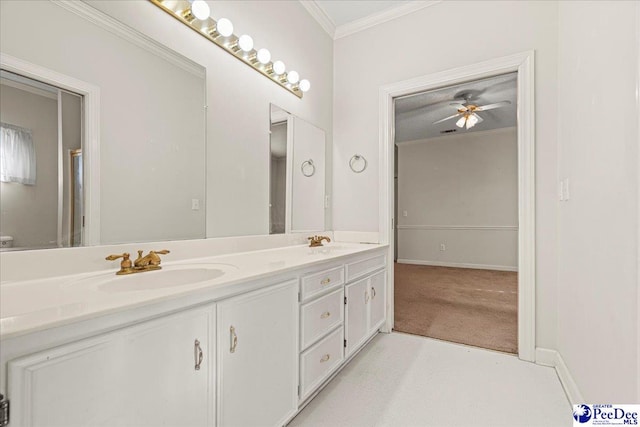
[523,65]
[457,213]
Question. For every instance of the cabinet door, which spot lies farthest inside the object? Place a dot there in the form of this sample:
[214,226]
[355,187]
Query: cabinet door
[356,326]
[258,357]
[377,303]
[143,375]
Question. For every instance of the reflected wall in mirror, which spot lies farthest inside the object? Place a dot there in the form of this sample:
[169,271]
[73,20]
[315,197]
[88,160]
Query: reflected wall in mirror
[297,174]
[149,145]
[40,140]
[278,170]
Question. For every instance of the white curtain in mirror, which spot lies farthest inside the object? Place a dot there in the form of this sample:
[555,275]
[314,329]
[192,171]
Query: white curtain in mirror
[17,155]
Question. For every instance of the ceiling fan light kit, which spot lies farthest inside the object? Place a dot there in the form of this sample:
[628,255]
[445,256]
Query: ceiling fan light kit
[467,114]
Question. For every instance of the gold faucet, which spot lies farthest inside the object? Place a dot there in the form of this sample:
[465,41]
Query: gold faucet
[149,262]
[317,241]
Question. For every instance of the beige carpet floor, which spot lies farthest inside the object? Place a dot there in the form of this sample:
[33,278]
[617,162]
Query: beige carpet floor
[475,307]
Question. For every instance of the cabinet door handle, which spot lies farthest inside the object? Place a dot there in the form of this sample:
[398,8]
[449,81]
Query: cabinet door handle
[325,315]
[366,296]
[373,292]
[197,354]
[326,281]
[234,339]
[325,358]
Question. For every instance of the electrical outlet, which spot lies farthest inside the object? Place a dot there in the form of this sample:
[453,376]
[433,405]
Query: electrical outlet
[195,204]
[404,213]
[443,247]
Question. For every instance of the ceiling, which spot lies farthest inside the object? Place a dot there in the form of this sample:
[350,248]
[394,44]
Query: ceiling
[341,18]
[415,114]
[344,12]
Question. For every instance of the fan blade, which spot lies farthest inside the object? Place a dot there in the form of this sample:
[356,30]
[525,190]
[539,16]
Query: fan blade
[492,106]
[446,118]
[480,119]
[459,105]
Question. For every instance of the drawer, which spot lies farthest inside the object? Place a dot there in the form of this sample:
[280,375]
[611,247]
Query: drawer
[360,268]
[313,284]
[320,316]
[317,363]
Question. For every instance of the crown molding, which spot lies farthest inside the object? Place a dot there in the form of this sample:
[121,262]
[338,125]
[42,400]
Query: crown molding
[141,40]
[381,17]
[320,16]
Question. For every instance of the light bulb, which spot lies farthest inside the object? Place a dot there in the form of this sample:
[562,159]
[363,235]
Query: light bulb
[460,122]
[293,77]
[471,121]
[224,27]
[200,9]
[246,43]
[278,67]
[264,56]
[304,85]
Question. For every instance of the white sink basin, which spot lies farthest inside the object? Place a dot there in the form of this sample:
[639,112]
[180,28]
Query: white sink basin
[168,277]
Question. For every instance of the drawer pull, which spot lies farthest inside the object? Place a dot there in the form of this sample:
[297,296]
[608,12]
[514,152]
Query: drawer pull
[325,358]
[326,281]
[234,339]
[197,354]
[373,292]
[325,315]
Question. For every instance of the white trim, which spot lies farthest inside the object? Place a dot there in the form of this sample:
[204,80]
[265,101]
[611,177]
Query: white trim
[131,35]
[381,17]
[91,137]
[552,358]
[546,357]
[638,196]
[460,227]
[523,63]
[31,89]
[468,134]
[320,16]
[60,170]
[458,265]
[356,236]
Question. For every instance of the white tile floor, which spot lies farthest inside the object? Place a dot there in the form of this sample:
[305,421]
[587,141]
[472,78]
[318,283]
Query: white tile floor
[406,380]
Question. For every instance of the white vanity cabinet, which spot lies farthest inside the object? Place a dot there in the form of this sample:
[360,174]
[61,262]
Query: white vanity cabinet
[365,302]
[257,357]
[156,373]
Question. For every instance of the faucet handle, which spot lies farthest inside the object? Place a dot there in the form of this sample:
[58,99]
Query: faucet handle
[162,252]
[126,266]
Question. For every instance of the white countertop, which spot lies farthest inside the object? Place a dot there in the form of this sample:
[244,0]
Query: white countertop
[35,305]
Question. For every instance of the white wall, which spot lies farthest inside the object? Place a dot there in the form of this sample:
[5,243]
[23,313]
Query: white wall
[598,247]
[29,213]
[460,190]
[238,98]
[425,42]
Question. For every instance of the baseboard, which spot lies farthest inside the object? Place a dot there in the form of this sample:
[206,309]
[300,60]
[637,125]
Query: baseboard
[458,265]
[357,236]
[548,357]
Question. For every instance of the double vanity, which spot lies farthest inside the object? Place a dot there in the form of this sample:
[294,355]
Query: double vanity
[243,339]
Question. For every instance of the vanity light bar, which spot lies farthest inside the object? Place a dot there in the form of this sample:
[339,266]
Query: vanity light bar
[195,15]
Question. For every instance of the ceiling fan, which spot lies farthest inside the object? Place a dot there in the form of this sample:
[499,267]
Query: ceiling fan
[467,114]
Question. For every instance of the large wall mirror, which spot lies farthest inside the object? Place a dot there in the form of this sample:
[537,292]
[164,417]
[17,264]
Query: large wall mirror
[149,149]
[297,174]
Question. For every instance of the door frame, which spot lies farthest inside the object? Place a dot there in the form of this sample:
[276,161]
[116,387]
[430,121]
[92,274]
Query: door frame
[523,64]
[90,134]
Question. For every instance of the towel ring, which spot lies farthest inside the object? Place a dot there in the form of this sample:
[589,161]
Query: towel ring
[356,158]
[305,164]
